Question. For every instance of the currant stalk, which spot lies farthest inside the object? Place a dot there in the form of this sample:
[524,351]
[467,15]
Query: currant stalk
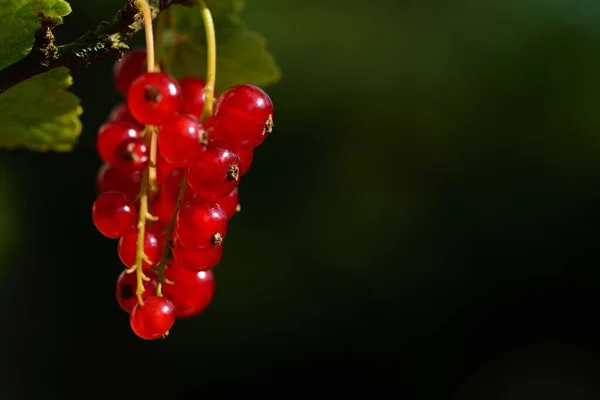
[211,74]
[149,134]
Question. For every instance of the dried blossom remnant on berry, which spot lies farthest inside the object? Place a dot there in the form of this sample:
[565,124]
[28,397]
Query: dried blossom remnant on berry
[203,137]
[217,239]
[269,125]
[152,94]
[233,173]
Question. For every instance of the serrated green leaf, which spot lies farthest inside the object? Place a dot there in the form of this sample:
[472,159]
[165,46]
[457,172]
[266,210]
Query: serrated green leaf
[242,56]
[20,20]
[39,114]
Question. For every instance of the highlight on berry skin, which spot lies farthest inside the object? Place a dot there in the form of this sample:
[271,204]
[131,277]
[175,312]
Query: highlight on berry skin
[172,155]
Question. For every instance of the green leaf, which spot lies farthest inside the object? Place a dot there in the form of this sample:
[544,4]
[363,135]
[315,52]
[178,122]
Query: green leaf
[20,20]
[242,56]
[40,114]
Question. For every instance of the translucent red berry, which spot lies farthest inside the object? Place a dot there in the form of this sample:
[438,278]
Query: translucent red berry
[158,228]
[121,113]
[244,115]
[128,68]
[171,185]
[216,171]
[181,139]
[230,203]
[192,95]
[111,134]
[131,156]
[191,291]
[195,260]
[153,97]
[127,286]
[127,249]
[110,179]
[162,168]
[112,214]
[200,225]
[153,319]
[246,157]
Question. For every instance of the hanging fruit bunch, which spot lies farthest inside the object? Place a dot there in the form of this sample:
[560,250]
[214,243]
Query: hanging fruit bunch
[173,156]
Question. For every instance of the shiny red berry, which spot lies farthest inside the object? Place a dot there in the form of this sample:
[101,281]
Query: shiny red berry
[244,115]
[110,179]
[216,171]
[131,156]
[110,135]
[128,68]
[121,113]
[153,319]
[112,214]
[200,225]
[162,168]
[191,291]
[192,95]
[246,157]
[127,249]
[195,260]
[181,140]
[230,203]
[153,97]
[127,286]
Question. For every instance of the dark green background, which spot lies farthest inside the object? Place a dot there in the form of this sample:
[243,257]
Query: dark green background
[425,215]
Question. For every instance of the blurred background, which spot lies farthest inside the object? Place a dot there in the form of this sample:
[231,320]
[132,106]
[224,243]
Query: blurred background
[426,215]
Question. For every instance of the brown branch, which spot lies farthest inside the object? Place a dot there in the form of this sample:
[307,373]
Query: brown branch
[107,40]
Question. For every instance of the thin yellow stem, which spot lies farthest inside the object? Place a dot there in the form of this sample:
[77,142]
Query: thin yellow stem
[143,6]
[211,60]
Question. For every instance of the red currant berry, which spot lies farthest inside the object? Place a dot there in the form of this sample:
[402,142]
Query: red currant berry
[171,186]
[195,260]
[244,115]
[158,228]
[112,214]
[110,179]
[162,168]
[211,133]
[129,67]
[216,171]
[192,95]
[127,249]
[230,203]
[127,286]
[191,292]
[154,319]
[111,134]
[131,156]
[200,225]
[181,139]
[121,113]
[153,97]
[246,157]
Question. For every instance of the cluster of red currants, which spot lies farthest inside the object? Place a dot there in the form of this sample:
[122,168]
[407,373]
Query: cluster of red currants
[189,184]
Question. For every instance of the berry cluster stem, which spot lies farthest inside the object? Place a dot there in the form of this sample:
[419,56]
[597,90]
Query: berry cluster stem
[149,173]
[211,60]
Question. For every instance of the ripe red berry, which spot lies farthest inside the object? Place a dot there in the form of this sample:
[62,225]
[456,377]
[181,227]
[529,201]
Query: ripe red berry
[181,139]
[191,291]
[230,203]
[216,171]
[128,68]
[153,319]
[153,97]
[111,134]
[195,260]
[112,214]
[121,113]
[127,286]
[158,228]
[110,179]
[127,249]
[131,156]
[171,185]
[192,95]
[200,225]
[162,168]
[244,115]
[246,157]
